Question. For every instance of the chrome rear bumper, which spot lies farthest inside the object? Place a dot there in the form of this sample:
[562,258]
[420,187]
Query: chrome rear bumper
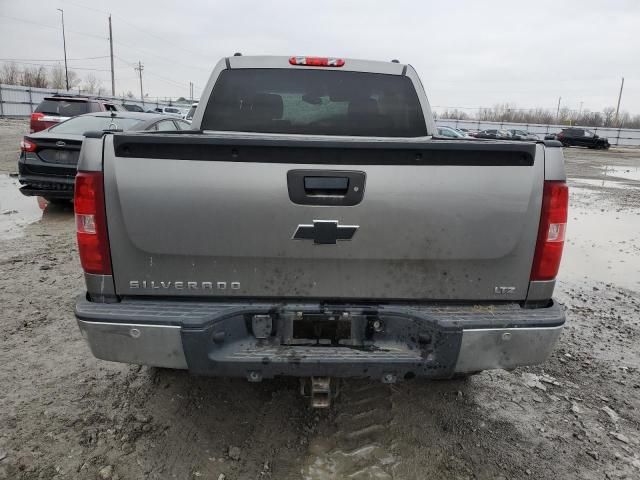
[161,346]
[217,339]
[154,345]
[485,349]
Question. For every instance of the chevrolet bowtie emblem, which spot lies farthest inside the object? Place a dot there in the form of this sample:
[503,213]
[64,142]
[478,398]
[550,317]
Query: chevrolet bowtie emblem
[325,232]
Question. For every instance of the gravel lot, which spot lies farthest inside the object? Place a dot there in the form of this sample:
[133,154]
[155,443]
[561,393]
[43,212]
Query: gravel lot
[66,415]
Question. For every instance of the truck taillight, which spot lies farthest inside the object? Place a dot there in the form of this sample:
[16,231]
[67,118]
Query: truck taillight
[317,61]
[91,225]
[551,232]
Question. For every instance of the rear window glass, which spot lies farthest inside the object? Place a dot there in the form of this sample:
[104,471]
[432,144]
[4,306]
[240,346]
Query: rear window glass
[86,123]
[133,108]
[63,108]
[314,102]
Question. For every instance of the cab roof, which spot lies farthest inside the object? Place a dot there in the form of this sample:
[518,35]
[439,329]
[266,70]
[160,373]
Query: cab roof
[350,64]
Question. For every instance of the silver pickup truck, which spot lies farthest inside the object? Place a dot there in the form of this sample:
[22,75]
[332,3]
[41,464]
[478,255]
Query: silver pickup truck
[312,224]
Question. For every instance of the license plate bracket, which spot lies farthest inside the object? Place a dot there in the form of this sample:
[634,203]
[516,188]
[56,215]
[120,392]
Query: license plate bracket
[321,329]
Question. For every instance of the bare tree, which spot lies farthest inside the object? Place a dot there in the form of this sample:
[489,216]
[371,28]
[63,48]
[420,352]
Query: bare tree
[455,114]
[634,122]
[34,77]
[609,114]
[74,79]
[92,84]
[509,113]
[624,119]
[10,74]
[57,78]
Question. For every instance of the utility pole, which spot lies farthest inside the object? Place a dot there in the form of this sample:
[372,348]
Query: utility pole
[64,45]
[558,111]
[619,98]
[113,78]
[139,69]
[191,91]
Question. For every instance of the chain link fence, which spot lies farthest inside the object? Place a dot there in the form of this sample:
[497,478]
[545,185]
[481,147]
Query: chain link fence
[19,101]
[620,137]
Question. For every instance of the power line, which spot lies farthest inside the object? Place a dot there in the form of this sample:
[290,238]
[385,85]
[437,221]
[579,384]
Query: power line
[17,60]
[619,98]
[24,20]
[64,43]
[73,67]
[34,62]
[175,83]
[136,27]
[139,68]
[113,80]
[161,57]
[141,30]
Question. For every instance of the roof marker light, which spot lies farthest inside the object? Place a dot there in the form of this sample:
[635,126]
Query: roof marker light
[317,61]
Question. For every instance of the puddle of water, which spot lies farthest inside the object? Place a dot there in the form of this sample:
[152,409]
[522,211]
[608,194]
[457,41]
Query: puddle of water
[16,210]
[602,247]
[630,173]
[604,183]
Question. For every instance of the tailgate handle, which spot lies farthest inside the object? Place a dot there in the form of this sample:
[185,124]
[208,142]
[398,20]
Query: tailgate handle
[326,185]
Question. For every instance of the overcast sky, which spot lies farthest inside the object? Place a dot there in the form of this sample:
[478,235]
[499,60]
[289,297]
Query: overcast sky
[468,53]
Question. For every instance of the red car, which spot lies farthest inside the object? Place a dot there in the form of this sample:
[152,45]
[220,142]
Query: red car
[58,108]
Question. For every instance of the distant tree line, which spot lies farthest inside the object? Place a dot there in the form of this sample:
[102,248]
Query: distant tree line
[52,77]
[509,113]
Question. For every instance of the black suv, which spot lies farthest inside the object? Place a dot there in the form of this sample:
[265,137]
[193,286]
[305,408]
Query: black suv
[58,108]
[581,137]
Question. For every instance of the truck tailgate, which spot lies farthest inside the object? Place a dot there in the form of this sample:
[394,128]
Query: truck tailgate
[222,215]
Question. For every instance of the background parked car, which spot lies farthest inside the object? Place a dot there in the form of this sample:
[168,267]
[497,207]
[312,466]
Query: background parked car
[48,159]
[581,137]
[467,131]
[173,111]
[523,135]
[450,133]
[58,108]
[495,134]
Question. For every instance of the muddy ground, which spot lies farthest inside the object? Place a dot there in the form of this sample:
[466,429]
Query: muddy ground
[66,415]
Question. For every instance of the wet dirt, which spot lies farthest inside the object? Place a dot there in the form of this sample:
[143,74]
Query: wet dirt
[16,210]
[602,244]
[66,415]
[630,173]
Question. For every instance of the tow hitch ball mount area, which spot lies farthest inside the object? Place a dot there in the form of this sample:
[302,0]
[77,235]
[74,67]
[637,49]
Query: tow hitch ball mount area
[318,390]
[327,328]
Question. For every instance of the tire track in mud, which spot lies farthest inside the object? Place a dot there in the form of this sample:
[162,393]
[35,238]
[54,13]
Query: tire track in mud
[358,447]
